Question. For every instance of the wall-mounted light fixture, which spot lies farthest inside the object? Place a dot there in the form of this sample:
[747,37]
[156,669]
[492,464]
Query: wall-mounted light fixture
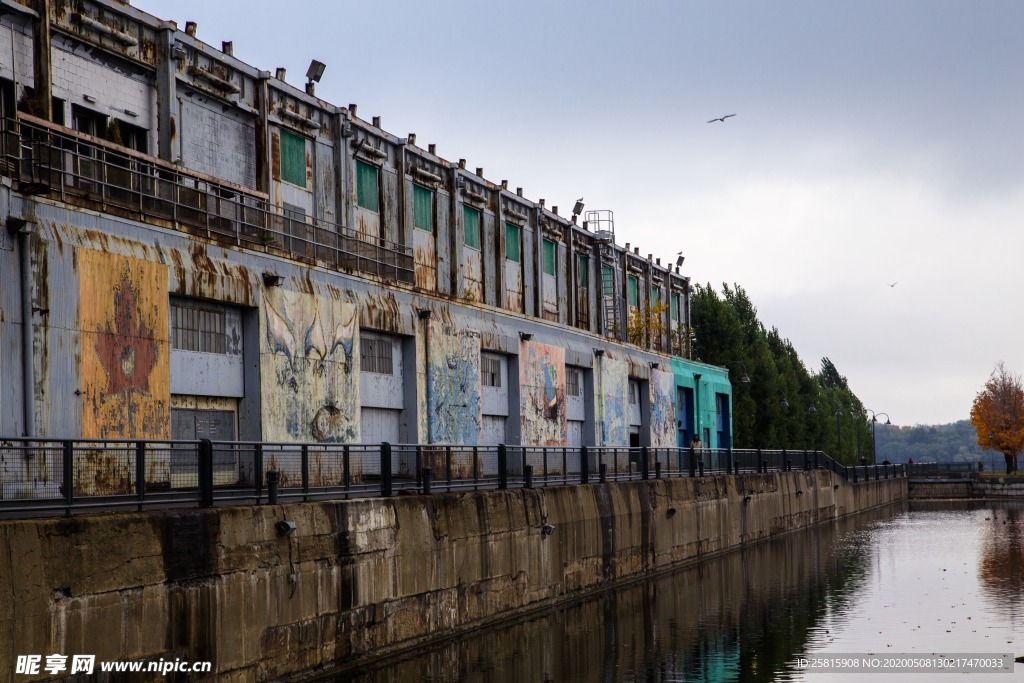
[285,527]
[598,352]
[799,492]
[746,499]
[313,75]
[525,336]
[272,280]
[89,98]
[424,313]
[547,530]
[679,259]
[671,513]
[577,210]
[655,365]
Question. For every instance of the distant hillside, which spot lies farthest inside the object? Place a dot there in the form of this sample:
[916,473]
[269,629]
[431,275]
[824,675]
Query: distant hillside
[956,442]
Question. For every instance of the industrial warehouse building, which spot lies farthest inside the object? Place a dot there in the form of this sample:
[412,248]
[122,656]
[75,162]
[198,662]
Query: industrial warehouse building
[196,249]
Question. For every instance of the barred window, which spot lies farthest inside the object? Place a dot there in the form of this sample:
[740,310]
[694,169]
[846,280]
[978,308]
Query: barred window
[198,327]
[490,371]
[375,355]
[572,382]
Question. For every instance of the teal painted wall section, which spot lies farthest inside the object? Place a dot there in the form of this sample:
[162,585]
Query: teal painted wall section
[713,380]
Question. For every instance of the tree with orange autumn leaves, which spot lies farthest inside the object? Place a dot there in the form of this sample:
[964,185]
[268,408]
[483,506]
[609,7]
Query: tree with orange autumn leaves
[998,415]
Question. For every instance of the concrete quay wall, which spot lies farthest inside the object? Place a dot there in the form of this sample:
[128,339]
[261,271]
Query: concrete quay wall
[370,576]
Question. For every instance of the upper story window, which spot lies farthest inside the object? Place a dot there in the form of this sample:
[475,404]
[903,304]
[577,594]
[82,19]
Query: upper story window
[632,290]
[471,222]
[376,355]
[490,371]
[367,186]
[572,382]
[196,326]
[549,257]
[422,208]
[673,302]
[293,159]
[513,242]
[88,121]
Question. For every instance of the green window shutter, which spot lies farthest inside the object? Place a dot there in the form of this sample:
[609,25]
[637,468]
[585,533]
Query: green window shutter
[512,248]
[549,257]
[608,277]
[673,301]
[423,208]
[471,223]
[632,285]
[293,159]
[582,271]
[367,190]
[656,297]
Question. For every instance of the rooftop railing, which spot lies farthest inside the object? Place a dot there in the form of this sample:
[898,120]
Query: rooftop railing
[48,159]
[61,477]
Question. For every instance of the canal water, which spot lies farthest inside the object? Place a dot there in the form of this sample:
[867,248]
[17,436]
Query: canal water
[916,579]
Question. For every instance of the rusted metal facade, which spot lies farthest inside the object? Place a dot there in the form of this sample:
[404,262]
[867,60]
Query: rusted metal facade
[142,167]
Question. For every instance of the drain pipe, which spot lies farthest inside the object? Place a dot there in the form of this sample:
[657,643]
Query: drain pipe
[425,315]
[23,228]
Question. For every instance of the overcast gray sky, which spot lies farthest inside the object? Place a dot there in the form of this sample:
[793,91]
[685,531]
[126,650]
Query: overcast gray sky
[875,141]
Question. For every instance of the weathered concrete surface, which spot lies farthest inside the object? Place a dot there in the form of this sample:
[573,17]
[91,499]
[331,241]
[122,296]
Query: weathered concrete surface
[973,487]
[369,575]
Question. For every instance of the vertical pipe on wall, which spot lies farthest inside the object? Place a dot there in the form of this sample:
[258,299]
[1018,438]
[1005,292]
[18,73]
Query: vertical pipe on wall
[27,353]
[166,94]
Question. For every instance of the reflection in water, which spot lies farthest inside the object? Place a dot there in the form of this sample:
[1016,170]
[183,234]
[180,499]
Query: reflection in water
[1001,567]
[743,616]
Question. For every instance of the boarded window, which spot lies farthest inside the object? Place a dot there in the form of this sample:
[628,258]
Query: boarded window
[549,257]
[423,208]
[490,371]
[367,186]
[512,242]
[375,355]
[572,382]
[293,159]
[198,327]
[632,288]
[471,221]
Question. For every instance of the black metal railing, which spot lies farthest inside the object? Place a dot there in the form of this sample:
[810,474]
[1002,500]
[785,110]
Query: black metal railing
[48,159]
[48,476]
[942,469]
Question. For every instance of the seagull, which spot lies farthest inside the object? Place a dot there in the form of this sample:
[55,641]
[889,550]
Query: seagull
[893,284]
[722,118]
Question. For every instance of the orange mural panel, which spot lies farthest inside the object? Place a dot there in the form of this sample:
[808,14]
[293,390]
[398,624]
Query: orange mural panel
[125,345]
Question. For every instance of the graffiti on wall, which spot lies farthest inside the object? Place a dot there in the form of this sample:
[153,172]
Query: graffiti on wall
[309,363]
[663,408]
[542,383]
[613,401]
[453,385]
[125,347]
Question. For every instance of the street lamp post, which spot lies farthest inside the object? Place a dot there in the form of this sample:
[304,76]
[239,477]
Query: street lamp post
[745,378]
[874,436]
[839,437]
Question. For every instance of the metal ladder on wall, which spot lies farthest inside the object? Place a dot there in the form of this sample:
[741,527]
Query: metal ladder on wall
[611,319]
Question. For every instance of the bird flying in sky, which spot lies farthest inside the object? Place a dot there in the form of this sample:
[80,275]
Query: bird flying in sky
[893,284]
[721,118]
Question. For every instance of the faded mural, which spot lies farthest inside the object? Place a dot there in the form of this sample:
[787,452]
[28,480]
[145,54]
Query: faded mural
[125,347]
[663,409]
[453,385]
[542,387]
[309,363]
[613,401]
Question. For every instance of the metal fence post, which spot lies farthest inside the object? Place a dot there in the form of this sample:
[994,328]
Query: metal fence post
[385,469]
[346,467]
[426,481]
[528,476]
[731,460]
[761,466]
[140,472]
[602,472]
[502,466]
[205,472]
[584,465]
[645,464]
[305,470]
[693,462]
[69,476]
[257,466]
